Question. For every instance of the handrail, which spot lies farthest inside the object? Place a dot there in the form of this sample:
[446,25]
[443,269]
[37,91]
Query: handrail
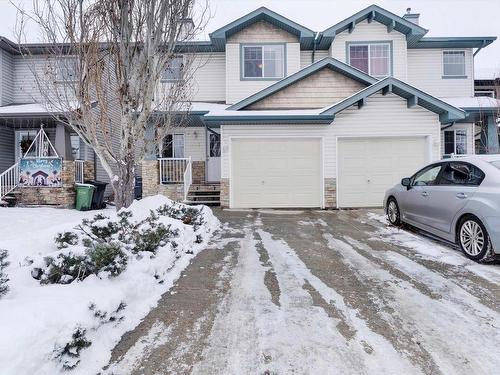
[172,170]
[9,180]
[188,178]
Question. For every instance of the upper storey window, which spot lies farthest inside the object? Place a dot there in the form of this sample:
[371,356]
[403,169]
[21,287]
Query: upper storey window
[263,61]
[66,69]
[174,70]
[371,58]
[454,64]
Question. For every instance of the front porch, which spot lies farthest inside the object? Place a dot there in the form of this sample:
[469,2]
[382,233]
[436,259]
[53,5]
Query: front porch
[180,179]
[18,140]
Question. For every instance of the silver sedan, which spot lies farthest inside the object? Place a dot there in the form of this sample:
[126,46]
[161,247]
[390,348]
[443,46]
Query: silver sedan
[456,199]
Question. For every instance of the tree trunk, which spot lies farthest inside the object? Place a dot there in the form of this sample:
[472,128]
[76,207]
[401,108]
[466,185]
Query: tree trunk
[123,186]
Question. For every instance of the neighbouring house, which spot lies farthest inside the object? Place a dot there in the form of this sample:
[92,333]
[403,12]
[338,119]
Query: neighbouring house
[284,116]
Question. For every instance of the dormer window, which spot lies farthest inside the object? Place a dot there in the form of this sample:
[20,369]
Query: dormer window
[371,58]
[263,61]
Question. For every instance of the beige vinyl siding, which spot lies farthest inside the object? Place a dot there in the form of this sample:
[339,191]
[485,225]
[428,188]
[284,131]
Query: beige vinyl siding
[470,128]
[209,77]
[425,71]
[194,142]
[320,89]
[373,32]
[381,116]
[6,78]
[259,32]
[306,57]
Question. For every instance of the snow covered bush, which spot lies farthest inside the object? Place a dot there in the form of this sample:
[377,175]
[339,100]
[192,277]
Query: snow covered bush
[4,288]
[63,240]
[69,354]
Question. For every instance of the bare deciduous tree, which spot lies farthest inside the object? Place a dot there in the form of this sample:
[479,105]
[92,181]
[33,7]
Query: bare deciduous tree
[104,61]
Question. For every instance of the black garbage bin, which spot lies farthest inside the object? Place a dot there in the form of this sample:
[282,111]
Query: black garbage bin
[98,197]
[138,187]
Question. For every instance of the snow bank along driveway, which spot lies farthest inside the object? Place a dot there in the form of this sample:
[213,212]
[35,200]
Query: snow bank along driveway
[320,293]
[37,320]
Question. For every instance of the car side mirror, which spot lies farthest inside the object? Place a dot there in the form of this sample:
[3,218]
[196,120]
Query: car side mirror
[406,182]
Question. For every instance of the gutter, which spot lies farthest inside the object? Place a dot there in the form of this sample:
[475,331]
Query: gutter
[449,125]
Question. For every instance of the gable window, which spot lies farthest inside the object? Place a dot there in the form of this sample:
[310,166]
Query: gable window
[455,142]
[173,71]
[172,146]
[371,58]
[454,64]
[263,61]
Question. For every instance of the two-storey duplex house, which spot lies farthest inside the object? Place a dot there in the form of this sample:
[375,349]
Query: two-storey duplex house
[284,116]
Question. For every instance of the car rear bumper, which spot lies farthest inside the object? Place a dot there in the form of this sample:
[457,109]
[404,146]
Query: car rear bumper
[492,225]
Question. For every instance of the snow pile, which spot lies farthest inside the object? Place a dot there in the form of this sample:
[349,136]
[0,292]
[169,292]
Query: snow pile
[45,327]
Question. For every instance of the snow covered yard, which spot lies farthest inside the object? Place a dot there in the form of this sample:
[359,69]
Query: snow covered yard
[308,292]
[45,327]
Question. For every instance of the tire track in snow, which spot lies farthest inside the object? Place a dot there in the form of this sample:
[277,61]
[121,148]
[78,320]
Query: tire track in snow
[457,341]
[251,334]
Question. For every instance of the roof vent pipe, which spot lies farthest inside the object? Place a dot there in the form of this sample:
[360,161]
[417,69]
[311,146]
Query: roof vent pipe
[412,17]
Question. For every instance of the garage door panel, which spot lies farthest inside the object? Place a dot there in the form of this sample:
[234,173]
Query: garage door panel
[275,173]
[368,167]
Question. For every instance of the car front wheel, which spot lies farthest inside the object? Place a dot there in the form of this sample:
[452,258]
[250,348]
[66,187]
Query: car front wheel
[393,214]
[473,238]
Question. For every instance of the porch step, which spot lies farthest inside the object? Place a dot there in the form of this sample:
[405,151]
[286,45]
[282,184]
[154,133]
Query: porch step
[208,194]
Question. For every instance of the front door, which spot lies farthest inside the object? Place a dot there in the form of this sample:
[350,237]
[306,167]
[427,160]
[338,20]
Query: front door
[213,160]
[23,139]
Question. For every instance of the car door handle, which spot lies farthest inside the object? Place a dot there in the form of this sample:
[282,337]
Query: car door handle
[461,195]
[425,194]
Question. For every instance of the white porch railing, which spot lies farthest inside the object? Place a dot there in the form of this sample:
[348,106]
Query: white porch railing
[9,180]
[79,168]
[188,178]
[172,170]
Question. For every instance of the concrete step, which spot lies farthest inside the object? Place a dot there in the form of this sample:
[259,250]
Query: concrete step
[201,196]
[207,203]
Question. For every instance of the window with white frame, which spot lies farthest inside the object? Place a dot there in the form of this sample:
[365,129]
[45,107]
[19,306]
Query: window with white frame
[263,61]
[454,63]
[66,69]
[455,142]
[172,146]
[371,58]
[174,70]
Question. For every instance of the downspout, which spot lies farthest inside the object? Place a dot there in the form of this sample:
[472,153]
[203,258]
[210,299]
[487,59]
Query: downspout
[479,49]
[315,43]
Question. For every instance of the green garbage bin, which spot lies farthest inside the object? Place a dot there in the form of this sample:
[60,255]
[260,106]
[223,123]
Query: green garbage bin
[84,193]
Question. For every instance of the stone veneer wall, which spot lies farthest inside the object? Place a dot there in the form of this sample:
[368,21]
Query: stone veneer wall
[330,193]
[198,172]
[57,196]
[224,192]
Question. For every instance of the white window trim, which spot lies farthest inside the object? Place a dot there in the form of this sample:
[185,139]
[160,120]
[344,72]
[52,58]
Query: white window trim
[455,141]
[369,44]
[263,78]
[173,146]
[465,64]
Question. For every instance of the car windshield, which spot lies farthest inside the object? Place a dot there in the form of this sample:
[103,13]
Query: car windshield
[496,163]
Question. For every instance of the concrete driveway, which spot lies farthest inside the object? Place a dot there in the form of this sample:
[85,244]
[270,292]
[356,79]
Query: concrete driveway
[318,292]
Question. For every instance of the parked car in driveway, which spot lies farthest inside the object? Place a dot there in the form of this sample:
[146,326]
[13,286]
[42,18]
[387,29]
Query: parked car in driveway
[456,199]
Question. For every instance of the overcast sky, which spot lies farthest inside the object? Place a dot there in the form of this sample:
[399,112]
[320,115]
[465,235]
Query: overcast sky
[440,17]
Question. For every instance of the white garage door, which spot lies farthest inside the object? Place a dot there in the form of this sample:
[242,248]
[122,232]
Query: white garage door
[368,167]
[275,173]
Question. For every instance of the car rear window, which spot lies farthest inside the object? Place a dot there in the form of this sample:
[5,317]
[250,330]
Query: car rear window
[496,163]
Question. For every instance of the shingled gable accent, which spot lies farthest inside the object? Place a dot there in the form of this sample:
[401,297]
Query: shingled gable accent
[310,71]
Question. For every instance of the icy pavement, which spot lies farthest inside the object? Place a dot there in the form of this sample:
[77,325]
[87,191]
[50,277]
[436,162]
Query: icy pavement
[321,292]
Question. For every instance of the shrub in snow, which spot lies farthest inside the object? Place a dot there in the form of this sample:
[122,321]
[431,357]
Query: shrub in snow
[4,288]
[188,215]
[69,354]
[104,317]
[63,240]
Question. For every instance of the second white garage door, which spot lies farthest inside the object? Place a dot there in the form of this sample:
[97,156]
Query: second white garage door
[276,173]
[367,167]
